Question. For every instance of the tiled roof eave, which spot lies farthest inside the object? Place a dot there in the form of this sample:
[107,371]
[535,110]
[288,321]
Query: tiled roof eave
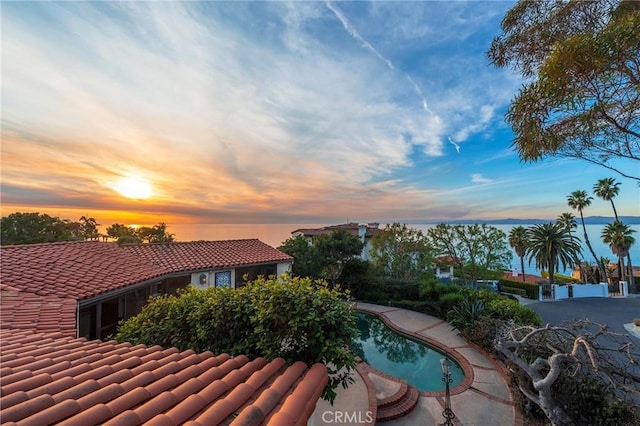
[143,384]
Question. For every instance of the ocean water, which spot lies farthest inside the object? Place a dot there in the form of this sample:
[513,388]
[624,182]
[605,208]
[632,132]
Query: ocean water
[276,234]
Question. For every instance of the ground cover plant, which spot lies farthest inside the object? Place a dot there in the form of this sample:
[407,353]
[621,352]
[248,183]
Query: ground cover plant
[298,319]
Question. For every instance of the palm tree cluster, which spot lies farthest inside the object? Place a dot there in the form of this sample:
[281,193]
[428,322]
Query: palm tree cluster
[549,244]
[553,244]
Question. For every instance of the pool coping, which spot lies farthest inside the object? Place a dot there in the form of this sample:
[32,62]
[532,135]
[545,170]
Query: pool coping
[465,387]
[464,364]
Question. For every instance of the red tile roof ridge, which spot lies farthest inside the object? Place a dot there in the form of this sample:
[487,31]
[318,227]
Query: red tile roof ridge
[54,243]
[173,243]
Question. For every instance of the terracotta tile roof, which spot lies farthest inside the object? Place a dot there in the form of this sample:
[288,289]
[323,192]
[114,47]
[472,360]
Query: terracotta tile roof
[352,228]
[48,378]
[82,269]
[529,278]
[192,255]
[75,269]
[29,311]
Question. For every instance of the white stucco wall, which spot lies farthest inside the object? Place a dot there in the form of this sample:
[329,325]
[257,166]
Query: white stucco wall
[211,278]
[283,267]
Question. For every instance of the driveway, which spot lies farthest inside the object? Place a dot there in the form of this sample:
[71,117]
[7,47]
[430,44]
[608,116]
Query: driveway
[614,312]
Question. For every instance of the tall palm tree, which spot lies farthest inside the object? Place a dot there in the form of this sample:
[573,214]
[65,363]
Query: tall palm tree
[518,242]
[578,200]
[550,245]
[618,236]
[568,222]
[607,189]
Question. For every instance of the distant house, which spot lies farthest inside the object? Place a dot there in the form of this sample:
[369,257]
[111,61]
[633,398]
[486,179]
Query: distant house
[83,288]
[51,293]
[364,231]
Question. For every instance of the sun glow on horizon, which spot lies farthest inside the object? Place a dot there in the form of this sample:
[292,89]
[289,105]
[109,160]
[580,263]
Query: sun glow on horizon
[133,187]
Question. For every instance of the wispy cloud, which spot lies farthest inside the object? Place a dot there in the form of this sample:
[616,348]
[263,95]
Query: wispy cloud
[268,109]
[478,178]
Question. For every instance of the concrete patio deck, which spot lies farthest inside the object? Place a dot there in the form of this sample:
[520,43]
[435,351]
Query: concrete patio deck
[482,399]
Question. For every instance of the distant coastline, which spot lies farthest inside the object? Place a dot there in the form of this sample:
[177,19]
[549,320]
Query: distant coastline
[588,220]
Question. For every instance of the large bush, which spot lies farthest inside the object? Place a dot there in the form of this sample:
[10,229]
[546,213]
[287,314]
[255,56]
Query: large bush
[507,309]
[531,289]
[294,318]
[384,289]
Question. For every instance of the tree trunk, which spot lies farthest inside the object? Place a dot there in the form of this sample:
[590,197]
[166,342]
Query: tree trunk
[601,268]
[552,410]
[522,268]
[632,281]
[551,271]
[583,273]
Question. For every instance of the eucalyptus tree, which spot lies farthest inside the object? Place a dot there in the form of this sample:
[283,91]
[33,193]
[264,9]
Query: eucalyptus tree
[550,245]
[306,261]
[580,63]
[620,239]
[336,250]
[568,221]
[579,200]
[476,249]
[89,228]
[400,252]
[518,242]
[30,228]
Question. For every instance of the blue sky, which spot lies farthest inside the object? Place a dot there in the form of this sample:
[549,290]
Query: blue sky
[267,112]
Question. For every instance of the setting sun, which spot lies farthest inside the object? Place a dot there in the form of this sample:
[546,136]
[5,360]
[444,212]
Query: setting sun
[133,187]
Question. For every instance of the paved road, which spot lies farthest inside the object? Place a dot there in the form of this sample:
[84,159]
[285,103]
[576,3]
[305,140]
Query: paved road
[615,312]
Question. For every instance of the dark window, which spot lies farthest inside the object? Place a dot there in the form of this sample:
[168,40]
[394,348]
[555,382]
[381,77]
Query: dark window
[135,300]
[87,323]
[243,275]
[110,317]
[172,285]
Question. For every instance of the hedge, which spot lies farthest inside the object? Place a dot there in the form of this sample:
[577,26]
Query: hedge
[532,290]
[519,291]
[561,278]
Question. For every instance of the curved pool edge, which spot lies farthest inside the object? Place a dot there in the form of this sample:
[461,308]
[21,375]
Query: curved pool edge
[462,361]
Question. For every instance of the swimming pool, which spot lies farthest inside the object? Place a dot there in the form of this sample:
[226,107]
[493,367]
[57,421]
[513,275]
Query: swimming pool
[400,356]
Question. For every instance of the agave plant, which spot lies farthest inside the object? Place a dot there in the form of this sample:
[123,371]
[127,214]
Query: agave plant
[466,313]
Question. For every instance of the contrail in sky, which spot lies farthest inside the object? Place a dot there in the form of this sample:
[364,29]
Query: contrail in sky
[354,33]
[455,145]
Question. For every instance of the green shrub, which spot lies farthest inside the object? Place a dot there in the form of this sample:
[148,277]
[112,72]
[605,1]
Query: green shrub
[294,318]
[383,289]
[431,289]
[507,309]
[519,291]
[466,313]
[560,278]
[425,307]
[449,301]
[487,296]
[588,401]
[483,332]
[531,289]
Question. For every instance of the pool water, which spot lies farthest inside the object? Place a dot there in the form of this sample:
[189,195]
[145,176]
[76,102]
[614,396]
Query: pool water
[400,356]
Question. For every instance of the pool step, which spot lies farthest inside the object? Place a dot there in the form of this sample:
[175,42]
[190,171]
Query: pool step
[398,404]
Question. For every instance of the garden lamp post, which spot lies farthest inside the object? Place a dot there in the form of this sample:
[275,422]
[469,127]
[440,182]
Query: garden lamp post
[446,378]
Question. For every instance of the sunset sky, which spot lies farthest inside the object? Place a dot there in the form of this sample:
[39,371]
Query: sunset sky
[268,112]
